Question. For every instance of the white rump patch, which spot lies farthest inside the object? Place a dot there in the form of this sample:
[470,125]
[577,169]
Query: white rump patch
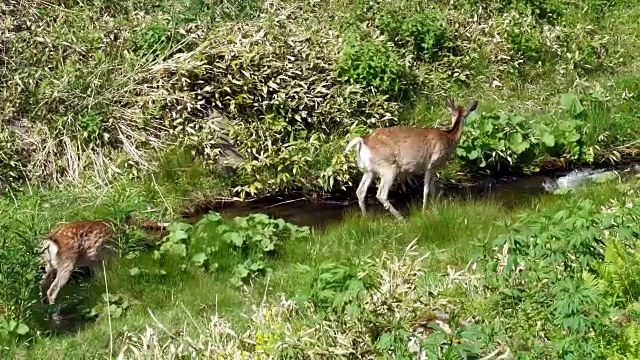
[363,153]
[365,158]
[52,251]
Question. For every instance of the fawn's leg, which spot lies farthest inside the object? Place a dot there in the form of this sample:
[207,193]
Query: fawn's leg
[97,269]
[386,180]
[62,276]
[47,279]
[362,189]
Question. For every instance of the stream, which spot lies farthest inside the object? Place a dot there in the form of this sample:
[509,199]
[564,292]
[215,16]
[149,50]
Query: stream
[318,214]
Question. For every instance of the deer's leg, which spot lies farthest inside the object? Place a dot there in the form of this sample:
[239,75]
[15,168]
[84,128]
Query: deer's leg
[432,187]
[97,270]
[386,180]
[62,276]
[362,189]
[47,279]
[428,180]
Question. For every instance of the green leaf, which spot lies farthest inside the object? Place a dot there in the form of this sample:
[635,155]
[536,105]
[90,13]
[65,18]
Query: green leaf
[517,119]
[548,139]
[573,136]
[241,222]
[175,249]
[267,245]
[488,126]
[211,217]
[571,102]
[22,329]
[178,231]
[567,126]
[281,223]
[386,341]
[259,218]
[176,226]
[517,144]
[625,233]
[91,313]
[233,238]
[474,115]
[515,139]
[241,271]
[134,271]
[115,311]
[199,259]
[597,97]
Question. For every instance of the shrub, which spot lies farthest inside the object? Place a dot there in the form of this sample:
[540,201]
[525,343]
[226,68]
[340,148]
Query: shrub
[423,32]
[501,140]
[280,95]
[12,172]
[524,36]
[19,278]
[373,64]
[102,88]
[548,10]
[243,244]
[154,39]
[20,234]
[588,50]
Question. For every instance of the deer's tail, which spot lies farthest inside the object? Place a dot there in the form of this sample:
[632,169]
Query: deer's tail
[357,142]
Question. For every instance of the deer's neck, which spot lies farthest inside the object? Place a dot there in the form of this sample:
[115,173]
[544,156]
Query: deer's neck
[456,130]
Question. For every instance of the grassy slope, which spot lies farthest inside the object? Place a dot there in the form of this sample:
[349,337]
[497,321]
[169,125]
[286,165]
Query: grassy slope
[451,232]
[76,101]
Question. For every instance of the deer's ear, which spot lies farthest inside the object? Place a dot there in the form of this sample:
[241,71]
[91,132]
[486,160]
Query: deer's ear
[472,106]
[449,103]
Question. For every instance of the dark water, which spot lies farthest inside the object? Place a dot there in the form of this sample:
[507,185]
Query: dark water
[510,191]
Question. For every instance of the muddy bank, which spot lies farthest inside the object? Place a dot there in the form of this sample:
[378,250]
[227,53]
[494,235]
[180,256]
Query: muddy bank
[319,213]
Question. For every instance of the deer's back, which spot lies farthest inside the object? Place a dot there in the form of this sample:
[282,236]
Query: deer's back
[410,150]
[85,240]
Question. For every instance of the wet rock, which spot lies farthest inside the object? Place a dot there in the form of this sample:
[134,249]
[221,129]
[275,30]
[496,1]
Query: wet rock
[578,178]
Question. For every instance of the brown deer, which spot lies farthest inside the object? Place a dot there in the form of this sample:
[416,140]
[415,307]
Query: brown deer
[77,244]
[389,152]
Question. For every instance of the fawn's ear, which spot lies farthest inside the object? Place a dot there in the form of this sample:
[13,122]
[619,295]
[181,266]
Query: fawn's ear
[472,107]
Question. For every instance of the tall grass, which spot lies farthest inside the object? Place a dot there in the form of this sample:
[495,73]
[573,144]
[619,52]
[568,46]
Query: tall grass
[110,96]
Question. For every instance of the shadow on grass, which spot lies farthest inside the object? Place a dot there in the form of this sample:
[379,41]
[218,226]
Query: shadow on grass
[73,305]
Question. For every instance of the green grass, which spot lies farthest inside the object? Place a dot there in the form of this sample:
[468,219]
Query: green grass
[105,115]
[450,231]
